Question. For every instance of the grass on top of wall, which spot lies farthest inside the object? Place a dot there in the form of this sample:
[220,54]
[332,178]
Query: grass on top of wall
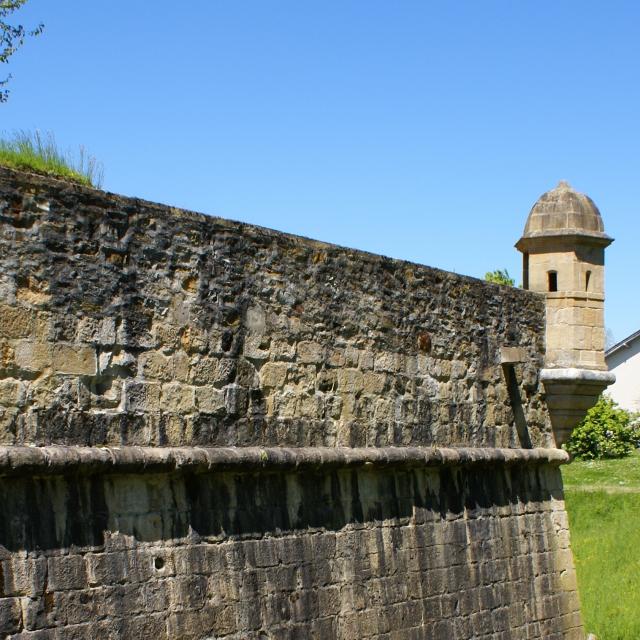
[603,502]
[39,153]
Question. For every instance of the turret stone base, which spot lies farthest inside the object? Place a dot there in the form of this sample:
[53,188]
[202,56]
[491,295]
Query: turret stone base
[570,393]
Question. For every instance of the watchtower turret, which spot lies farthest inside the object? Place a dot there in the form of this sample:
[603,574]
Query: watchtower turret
[563,257]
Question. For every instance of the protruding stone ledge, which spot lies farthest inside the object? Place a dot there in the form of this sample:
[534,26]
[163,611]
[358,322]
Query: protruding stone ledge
[570,393]
[573,375]
[15,461]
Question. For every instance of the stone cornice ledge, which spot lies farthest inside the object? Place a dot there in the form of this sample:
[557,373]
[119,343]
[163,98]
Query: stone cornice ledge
[577,375]
[52,460]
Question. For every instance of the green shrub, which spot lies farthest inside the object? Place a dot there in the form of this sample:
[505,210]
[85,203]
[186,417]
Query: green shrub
[500,276]
[607,431]
[39,153]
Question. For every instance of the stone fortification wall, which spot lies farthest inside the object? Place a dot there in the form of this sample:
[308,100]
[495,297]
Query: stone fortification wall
[211,430]
[459,547]
[125,322]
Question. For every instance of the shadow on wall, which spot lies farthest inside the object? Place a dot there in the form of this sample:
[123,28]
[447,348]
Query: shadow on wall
[62,511]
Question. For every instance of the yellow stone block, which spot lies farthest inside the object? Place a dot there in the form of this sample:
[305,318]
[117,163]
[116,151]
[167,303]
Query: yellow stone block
[374,382]
[350,380]
[273,374]
[16,322]
[156,366]
[11,392]
[33,356]
[75,359]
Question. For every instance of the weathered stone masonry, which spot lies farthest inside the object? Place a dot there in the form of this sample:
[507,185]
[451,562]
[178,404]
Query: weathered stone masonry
[244,434]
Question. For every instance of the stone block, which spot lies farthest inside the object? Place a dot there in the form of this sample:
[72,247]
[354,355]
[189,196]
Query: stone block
[286,404]
[255,320]
[125,361]
[209,399]
[43,329]
[512,355]
[226,373]
[33,356]
[390,362]
[7,355]
[23,576]
[135,331]
[181,363]
[335,358]
[16,322]
[146,625]
[12,392]
[350,380]
[167,336]
[374,383]
[598,338]
[100,331]
[256,347]
[142,396]
[349,406]
[309,352]
[194,340]
[203,370]
[283,350]
[440,369]
[74,359]
[366,360]
[10,616]
[384,410]
[235,399]
[66,572]
[273,374]
[106,568]
[154,365]
[177,397]
[590,359]
[351,356]
[310,406]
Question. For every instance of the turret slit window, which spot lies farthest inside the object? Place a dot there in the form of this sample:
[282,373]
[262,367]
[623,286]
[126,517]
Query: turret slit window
[586,280]
[553,280]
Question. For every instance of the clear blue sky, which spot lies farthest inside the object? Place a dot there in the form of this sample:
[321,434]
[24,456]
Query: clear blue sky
[419,130]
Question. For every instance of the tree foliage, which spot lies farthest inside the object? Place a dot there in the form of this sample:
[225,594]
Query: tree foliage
[607,431]
[500,276]
[12,36]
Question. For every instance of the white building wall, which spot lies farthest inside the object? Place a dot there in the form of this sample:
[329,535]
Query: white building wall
[625,363]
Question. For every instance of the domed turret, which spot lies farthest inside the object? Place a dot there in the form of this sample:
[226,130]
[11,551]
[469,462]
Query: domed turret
[563,256]
[563,244]
[563,211]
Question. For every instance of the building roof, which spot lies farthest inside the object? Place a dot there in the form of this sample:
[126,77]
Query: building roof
[564,212]
[623,344]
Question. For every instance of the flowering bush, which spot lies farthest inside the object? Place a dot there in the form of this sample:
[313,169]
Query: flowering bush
[607,431]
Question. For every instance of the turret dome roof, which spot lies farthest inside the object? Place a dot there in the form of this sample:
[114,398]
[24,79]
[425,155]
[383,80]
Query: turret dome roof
[564,211]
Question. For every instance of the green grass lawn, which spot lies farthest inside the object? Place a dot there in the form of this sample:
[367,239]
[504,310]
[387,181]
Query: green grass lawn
[603,501]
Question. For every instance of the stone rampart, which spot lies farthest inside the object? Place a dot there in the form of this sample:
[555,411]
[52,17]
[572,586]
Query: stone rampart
[213,430]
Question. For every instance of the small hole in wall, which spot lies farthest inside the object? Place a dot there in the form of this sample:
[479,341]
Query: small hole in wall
[586,280]
[158,563]
[553,280]
[424,342]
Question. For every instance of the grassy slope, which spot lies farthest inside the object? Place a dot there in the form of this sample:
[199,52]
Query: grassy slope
[613,475]
[603,501]
[28,162]
[39,153]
